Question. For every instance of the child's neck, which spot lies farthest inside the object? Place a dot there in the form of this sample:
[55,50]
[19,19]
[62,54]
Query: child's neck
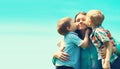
[93,27]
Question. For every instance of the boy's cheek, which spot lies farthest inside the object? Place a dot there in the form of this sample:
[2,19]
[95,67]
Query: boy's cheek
[87,24]
[76,25]
[87,21]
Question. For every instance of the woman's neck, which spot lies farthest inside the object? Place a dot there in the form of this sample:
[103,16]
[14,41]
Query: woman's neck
[82,33]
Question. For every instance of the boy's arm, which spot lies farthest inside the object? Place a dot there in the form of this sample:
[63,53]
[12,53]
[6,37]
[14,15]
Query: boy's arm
[79,42]
[108,50]
[104,37]
[109,47]
[86,40]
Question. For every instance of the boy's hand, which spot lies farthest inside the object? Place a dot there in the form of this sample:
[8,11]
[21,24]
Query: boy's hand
[88,31]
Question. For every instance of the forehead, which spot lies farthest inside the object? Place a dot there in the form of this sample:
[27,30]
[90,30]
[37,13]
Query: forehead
[80,16]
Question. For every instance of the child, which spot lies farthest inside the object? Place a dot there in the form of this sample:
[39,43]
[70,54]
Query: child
[102,38]
[66,27]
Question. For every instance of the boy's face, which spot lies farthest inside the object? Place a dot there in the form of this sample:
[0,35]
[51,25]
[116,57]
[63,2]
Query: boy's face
[88,21]
[73,26]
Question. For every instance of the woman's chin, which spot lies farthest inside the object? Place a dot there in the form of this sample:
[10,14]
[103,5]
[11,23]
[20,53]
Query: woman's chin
[81,28]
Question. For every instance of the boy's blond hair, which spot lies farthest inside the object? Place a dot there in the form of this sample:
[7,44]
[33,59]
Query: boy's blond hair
[96,17]
[62,25]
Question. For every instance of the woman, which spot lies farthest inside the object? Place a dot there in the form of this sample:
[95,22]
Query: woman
[88,56]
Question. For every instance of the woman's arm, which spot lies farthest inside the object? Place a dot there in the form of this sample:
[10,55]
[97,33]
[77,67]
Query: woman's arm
[106,61]
[61,44]
[103,51]
[60,54]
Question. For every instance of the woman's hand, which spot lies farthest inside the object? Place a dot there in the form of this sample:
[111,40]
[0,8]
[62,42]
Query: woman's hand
[105,64]
[103,52]
[62,56]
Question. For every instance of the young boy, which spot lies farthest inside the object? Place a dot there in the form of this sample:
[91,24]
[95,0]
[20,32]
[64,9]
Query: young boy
[66,27]
[102,38]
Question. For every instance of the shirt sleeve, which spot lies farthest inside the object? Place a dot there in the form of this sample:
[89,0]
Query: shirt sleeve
[76,40]
[103,35]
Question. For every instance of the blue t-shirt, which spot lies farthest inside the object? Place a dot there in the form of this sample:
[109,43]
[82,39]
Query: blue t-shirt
[72,43]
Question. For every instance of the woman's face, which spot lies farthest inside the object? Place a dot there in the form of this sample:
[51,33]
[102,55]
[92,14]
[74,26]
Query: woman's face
[81,21]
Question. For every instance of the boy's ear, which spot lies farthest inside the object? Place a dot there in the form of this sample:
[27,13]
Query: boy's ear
[90,22]
[68,28]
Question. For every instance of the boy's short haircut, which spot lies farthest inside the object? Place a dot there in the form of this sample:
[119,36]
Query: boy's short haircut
[63,24]
[96,16]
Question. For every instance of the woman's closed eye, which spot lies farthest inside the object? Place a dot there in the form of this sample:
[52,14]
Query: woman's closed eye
[78,20]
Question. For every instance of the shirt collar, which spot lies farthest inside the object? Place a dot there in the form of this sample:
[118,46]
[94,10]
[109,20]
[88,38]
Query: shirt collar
[97,27]
[72,33]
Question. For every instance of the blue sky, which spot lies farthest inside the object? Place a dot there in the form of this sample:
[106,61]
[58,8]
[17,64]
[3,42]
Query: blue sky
[28,34]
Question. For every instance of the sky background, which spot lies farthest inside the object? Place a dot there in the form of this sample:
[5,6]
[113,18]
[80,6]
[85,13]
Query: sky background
[28,33]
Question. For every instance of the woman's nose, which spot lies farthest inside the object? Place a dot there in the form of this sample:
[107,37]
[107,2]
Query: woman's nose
[80,22]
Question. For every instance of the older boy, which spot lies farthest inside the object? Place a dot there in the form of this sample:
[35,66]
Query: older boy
[66,27]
